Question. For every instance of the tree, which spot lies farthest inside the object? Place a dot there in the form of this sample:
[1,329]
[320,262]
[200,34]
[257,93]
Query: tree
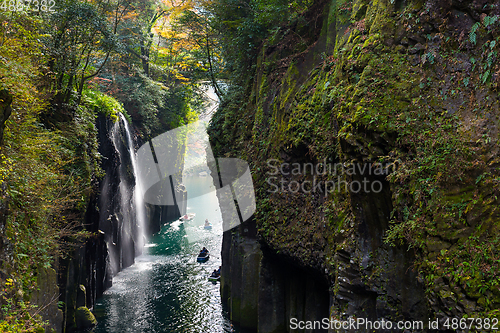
[84,38]
[204,39]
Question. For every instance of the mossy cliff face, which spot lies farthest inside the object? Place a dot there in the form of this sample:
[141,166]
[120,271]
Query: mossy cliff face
[412,85]
[46,296]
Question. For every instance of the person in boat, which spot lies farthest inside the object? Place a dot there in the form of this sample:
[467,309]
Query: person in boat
[214,274]
[203,252]
[218,271]
[207,224]
[186,216]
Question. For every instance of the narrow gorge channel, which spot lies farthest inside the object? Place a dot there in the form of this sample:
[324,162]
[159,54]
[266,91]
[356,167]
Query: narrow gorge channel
[166,290]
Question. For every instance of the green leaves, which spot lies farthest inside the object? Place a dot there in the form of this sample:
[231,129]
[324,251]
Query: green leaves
[472,33]
[103,103]
[428,56]
[485,76]
[80,38]
[489,20]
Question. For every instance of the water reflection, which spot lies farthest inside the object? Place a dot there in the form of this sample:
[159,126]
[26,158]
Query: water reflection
[166,290]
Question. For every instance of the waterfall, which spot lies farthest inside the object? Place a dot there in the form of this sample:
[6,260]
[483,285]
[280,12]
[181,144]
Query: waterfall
[138,196]
[122,207]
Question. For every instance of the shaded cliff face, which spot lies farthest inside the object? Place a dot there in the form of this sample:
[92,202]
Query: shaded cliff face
[111,219]
[398,100]
[87,272]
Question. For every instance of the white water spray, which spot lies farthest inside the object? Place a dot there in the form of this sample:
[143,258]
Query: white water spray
[138,197]
[128,216]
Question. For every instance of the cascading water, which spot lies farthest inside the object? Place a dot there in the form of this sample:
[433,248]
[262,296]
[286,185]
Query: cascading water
[125,213]
[138,197]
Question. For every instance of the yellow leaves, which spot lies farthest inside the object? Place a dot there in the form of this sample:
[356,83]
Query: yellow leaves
[179,76]
[182,78]
[179,5]
[6,167]
[175,9]
[130,15]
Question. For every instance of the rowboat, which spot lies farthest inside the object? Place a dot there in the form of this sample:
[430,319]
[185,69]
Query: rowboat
[213,278]
[203,257]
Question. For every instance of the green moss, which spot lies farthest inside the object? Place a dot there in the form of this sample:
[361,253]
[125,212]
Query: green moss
[372,99]
[103,103]
[84,318]
[235,309]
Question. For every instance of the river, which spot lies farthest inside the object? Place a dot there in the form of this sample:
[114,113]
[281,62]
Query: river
[166,290]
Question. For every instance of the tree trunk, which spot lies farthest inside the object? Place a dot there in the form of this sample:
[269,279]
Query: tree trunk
[145,58]
[212,75]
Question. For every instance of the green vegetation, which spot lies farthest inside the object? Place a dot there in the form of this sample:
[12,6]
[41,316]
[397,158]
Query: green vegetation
[360,91]
[84,318]
[307,81]
[58,71]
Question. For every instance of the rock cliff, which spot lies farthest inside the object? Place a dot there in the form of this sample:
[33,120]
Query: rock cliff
[111,219]
[392,108]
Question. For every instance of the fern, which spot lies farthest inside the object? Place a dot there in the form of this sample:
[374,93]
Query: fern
[472,34]
[472,37]
[430,57]
[475,27]
[489,60]
[486,75]
[486,21]
[489,20]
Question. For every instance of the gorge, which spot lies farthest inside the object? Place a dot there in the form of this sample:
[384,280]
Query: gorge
[369,130]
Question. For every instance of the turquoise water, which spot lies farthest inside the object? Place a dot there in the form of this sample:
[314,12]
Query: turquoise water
[166,290]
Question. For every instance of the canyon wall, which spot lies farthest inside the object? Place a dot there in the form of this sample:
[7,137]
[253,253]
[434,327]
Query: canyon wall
[112,221]
[398,101]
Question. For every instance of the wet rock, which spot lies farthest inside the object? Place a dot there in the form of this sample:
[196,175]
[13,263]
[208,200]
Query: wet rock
[436,245]
[468,306]
[415,60]
[84,319]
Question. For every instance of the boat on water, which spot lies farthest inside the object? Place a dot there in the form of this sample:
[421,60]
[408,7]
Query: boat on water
[214,278]
[187,217]
[203,256]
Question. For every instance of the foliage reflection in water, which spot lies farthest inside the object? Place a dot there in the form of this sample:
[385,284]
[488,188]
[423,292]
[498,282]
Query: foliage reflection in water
[166,290]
